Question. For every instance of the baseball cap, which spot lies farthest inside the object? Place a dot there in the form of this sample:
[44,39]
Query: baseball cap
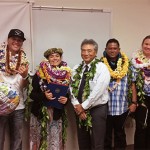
[16,32]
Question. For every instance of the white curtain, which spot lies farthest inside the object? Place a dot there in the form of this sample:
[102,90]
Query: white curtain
[17,15]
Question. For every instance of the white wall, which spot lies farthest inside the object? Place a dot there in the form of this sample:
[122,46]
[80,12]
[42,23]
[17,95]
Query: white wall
[130,19]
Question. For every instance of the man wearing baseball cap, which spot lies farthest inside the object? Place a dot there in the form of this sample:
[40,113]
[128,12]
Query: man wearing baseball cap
[16,33]
[13,75]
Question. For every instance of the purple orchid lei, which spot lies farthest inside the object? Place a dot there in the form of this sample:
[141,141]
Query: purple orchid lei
[53,72]
[57,74]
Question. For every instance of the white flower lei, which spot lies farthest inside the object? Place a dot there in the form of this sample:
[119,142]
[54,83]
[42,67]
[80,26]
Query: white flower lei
[139,56]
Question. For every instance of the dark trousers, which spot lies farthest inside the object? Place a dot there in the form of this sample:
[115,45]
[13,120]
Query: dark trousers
[142,133]
[94,139]
[115,124]
[15,121]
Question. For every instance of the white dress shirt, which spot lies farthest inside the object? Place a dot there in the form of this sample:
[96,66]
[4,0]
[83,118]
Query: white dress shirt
[98,87]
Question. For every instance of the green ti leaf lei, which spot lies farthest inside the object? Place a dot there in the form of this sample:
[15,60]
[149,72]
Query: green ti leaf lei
[139,84]
[86,92]
[64,126]
[28,100]
[44,122]
[45,118]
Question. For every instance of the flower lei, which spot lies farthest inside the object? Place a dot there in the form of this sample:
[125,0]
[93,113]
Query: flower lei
[140,61]
[59,75]
[8,65]
[120,71]
[86,92]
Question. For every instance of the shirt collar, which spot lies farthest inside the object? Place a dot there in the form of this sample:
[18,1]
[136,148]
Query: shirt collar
[89,65]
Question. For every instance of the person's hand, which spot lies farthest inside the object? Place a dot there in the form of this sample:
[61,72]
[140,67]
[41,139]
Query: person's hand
[62,99]
[78,109]
[132,107]
[83,116]
[23,70]
[49,95]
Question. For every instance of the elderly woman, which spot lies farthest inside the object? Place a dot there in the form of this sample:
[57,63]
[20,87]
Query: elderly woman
[46,119]
[141,66]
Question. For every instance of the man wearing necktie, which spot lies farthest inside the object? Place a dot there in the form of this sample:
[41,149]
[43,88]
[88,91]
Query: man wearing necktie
[89,96]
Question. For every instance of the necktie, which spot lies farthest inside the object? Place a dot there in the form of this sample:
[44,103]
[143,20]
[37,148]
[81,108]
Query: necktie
[81,88]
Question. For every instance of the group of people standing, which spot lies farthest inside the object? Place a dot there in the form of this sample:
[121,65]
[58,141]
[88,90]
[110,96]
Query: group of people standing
[103,91]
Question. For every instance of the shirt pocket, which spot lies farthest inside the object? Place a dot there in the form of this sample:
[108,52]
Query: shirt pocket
[92,84]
